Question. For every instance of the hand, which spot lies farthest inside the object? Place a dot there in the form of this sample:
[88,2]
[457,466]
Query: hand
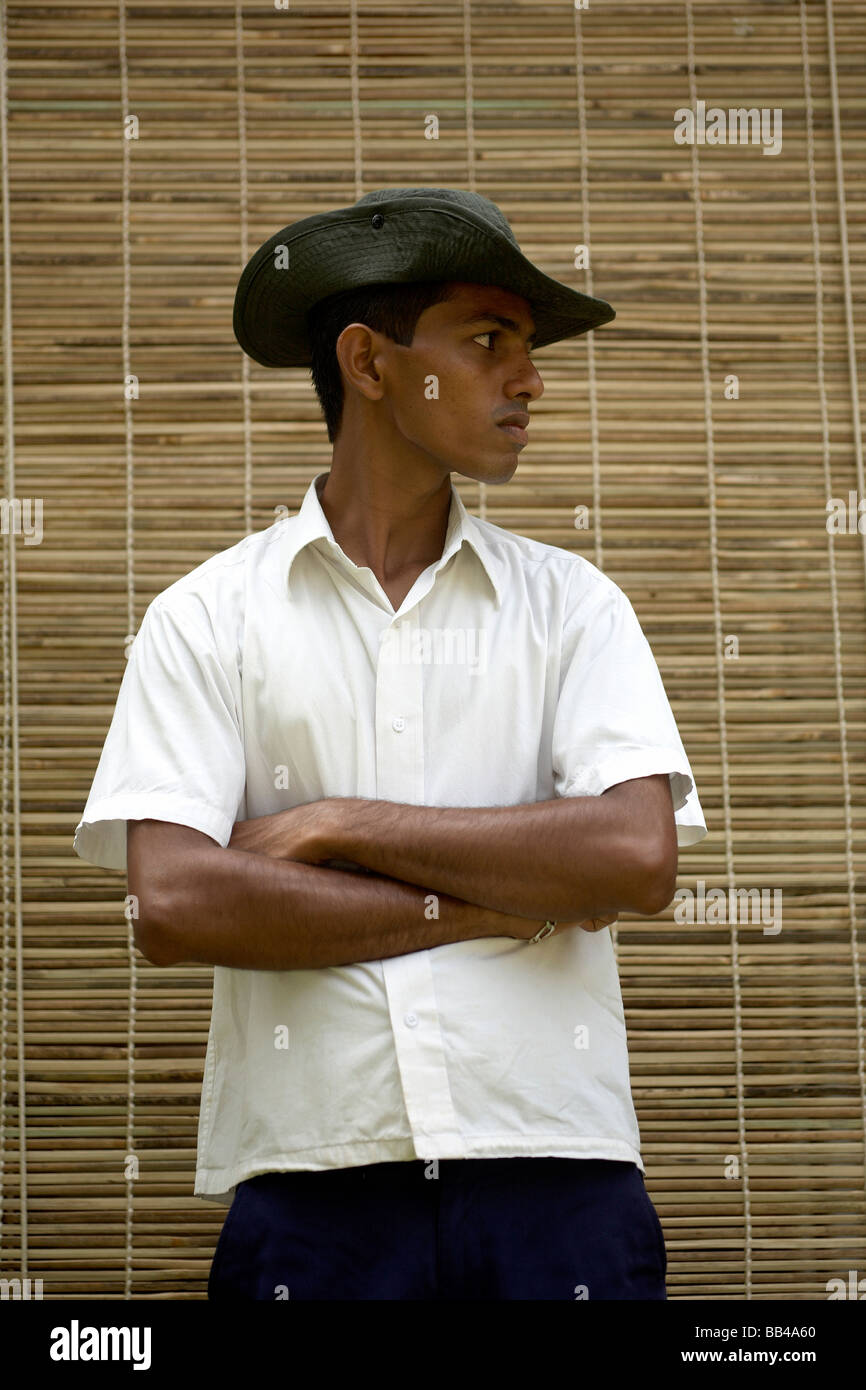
[303,833]
[527,928]
[597,923]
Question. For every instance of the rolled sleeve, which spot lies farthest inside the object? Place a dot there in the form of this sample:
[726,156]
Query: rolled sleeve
[174,749]
[613,720]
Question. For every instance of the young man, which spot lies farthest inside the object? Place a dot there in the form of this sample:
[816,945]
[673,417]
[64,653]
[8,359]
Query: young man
[393,771]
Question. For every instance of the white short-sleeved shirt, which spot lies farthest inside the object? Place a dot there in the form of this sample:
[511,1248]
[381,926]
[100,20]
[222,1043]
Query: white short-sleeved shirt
[278,673]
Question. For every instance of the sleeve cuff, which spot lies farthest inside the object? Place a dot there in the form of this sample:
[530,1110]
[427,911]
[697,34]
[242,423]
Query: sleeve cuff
[100,836]
[626,764]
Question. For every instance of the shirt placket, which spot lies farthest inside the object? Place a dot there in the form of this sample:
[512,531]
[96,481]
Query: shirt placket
[415,1022]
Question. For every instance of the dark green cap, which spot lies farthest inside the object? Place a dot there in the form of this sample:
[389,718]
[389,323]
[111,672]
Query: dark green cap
[394,235]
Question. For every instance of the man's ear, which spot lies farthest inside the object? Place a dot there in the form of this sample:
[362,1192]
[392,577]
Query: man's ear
[358,353]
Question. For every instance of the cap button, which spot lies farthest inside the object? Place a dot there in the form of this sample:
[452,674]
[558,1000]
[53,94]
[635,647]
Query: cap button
[377,220]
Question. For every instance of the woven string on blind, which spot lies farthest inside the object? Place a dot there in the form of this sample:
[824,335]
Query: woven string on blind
[120,259]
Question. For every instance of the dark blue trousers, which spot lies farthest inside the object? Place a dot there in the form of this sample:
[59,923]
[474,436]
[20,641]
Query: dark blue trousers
[457,1229]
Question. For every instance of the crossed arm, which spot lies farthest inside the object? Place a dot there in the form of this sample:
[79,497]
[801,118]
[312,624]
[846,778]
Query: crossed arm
[275,897]
[566,859]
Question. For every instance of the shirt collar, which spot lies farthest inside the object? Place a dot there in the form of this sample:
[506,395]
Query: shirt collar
[311,524]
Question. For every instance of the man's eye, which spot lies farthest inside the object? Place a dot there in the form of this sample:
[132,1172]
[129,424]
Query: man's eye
[494,333]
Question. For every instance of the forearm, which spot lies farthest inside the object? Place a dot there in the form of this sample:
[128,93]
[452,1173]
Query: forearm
[253,912]
[566,859]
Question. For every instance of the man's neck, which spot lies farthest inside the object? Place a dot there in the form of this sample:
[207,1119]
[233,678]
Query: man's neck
[386,524]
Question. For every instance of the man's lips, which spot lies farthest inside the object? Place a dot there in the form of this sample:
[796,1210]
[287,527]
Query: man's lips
[515,425]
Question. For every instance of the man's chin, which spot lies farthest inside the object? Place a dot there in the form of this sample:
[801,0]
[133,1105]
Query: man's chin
[495,474]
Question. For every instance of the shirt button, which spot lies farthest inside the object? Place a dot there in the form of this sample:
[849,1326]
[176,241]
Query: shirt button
[411,1020]
[398,724]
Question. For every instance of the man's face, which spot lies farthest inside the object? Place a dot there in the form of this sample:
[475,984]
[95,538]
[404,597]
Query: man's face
[465,372]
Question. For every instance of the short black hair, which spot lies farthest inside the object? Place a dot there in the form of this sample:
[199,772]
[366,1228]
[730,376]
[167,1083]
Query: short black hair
[392,309]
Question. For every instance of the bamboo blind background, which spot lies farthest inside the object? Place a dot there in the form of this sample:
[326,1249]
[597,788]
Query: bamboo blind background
[121,256]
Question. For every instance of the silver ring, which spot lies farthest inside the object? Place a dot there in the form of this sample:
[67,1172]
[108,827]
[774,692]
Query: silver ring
[545,931]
